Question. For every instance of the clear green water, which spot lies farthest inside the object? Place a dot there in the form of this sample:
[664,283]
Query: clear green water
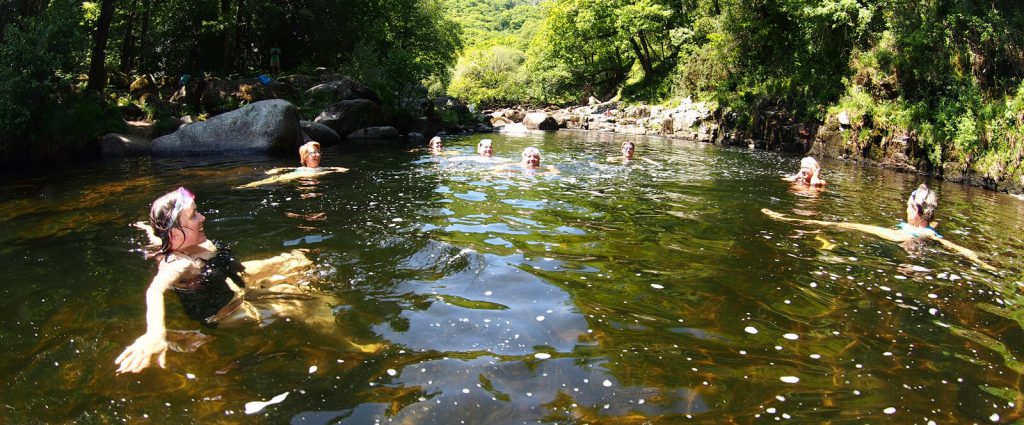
[640,282]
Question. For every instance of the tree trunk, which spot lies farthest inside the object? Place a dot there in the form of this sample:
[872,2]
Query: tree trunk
[128,46]
[144,64]
[644,61]
[229,33]
[97,65]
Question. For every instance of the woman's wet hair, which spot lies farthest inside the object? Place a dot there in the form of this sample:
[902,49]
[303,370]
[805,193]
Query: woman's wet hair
[435,142]
[161,218]
[305,149]
[924,201]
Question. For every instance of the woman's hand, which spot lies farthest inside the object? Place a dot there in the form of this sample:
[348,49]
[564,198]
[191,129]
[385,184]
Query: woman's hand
[138,356]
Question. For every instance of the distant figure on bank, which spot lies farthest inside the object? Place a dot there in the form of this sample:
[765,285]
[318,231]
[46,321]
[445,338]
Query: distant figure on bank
[275,61]
[921,208]
[484,148]
[309,158]
[808,175]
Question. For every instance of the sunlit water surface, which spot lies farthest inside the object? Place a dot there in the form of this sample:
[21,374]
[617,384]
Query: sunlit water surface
[608,293]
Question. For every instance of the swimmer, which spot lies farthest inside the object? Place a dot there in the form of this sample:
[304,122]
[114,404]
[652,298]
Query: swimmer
[210,283]
[309,159]
[531,160]
[436,145]
[484,148]
[808,175]
[920,211]
[629,153]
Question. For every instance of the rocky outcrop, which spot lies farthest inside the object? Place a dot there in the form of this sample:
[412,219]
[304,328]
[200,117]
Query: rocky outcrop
[116,145]
[269,125]
[350,115]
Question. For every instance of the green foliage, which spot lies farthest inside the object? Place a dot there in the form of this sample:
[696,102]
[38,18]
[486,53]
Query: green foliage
[39,103]
[489,76]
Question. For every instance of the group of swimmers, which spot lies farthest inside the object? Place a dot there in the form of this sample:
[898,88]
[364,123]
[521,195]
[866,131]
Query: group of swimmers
[921,207]
[213,287]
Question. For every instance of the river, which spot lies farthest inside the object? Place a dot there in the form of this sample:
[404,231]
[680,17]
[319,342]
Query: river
[606,293]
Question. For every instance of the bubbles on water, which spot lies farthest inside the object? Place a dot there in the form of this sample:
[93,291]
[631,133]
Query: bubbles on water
[791,336]
[607,383]
[750,330]
[789,379]
[889,410]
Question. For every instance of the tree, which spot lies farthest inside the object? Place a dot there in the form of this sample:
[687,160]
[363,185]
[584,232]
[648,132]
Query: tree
[97,63]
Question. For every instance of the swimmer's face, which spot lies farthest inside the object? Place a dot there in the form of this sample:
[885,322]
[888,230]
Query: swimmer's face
[191,232]
[435,144]
[806,172]
[628,150]
[486,150]
[531,158]
[312,158]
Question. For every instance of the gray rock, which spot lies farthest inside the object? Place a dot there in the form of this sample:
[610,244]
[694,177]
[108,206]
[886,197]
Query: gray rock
[387,132]
[414,137]
[540,121]
[320,133]
[343,89]
[350,115]
[269,125]
[115,145]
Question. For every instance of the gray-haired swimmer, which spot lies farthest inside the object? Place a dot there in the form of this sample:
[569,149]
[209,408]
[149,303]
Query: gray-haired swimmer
[309,159]
[808,175]
[921,207]
[484,148]
[212,285]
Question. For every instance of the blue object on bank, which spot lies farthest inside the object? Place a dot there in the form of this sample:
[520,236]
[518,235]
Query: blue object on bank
[263,79]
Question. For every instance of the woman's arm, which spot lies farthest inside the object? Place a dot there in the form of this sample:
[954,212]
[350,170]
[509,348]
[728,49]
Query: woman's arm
[138,356]
[967,253]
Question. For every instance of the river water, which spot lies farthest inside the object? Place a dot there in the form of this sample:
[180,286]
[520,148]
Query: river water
[465,293]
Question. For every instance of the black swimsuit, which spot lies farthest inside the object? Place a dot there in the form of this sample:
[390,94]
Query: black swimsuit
[204,296]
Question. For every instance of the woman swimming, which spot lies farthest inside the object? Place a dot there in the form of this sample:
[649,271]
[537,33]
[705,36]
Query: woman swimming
[629,153]
[309,159]
[809,174]
[921,208]
[210,284]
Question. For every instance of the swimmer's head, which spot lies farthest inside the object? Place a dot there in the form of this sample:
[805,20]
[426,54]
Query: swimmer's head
[484,148]
[165,213]
[921,206]
[808,168]
[531,157]
[435,144]
[309,154]
[628,149]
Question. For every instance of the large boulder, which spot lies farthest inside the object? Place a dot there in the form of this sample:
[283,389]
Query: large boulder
[540,121]
[387,132]
[343,89]
[350,115]
[269,125]
[320,133]
[141,86]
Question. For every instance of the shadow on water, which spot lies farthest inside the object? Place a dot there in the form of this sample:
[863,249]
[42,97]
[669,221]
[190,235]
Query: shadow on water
[640,292]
